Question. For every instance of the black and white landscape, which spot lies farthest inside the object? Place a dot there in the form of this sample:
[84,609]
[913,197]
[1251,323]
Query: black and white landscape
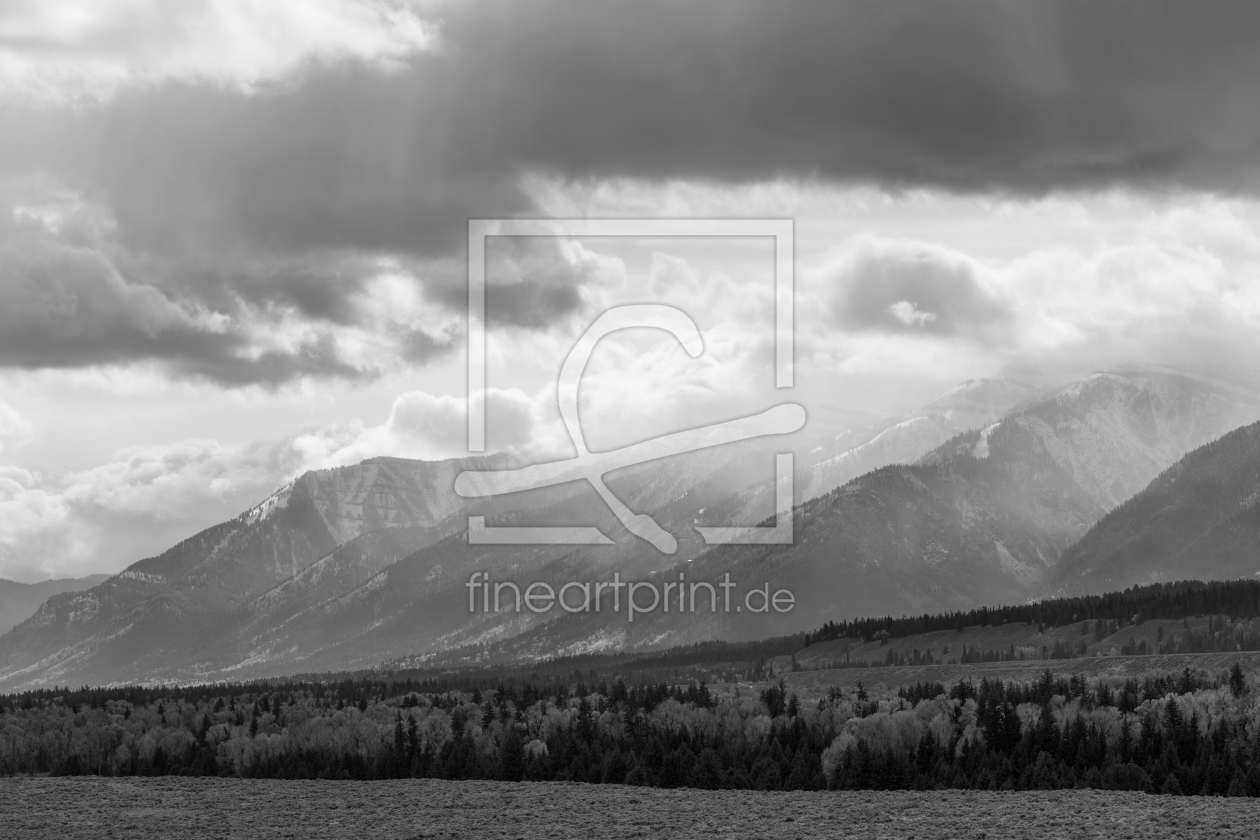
[235,385]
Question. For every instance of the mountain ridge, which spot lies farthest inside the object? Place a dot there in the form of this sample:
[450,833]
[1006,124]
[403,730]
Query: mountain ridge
[19,601]
[983,516]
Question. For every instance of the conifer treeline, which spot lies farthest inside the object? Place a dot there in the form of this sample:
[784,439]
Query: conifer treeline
[1239,599]
[1186,733]
[1220,636]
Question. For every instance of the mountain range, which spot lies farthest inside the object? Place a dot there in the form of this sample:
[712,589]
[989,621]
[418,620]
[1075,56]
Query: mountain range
[980,520]
[972,500]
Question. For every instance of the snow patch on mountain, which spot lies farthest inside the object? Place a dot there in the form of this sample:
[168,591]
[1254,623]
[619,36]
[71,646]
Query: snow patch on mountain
[268,508]
[981,449]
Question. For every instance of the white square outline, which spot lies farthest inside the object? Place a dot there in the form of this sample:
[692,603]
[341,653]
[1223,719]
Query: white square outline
[781,230]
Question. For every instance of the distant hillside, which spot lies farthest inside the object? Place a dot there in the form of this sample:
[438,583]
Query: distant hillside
[1199,519]
[19,601]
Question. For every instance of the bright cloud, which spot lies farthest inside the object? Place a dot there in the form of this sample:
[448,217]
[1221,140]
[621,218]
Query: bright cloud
[910,315]
[15,431]
[84,52]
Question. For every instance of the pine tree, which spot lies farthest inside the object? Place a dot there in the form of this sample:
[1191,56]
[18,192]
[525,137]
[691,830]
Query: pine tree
[1172,716]
[1187,683]
[1237,680]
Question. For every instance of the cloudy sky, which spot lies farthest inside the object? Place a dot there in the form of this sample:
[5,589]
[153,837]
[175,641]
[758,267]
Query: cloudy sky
[232,232]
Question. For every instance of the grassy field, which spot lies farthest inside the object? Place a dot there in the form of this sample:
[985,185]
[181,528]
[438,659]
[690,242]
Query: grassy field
[174,808]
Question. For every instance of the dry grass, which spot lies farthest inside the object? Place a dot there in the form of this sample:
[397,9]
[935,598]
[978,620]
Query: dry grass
[172,808]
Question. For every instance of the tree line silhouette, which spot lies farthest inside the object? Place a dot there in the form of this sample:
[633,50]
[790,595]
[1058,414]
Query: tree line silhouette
[1186,733]
[1239,599]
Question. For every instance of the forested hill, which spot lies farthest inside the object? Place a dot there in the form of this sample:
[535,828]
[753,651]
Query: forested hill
[1239,599]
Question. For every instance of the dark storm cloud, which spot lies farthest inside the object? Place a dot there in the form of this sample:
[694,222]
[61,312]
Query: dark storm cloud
[295,189]
[350,159]
[969,95]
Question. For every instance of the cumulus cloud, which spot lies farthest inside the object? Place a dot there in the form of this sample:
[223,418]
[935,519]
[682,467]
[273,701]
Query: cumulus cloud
[1169,283]
[534,282]
[1144,300]
[917,288]
[36,542]
[908,314]
[172,482]
[429,426]
[72,295]
[138,503]
[76,293]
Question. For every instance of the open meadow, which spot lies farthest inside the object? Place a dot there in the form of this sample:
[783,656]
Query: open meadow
[172,808]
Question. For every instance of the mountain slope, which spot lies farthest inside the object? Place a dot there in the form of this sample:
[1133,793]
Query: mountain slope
[170,601]
[19,601]
[419,603]
[1199,520]
[901,440]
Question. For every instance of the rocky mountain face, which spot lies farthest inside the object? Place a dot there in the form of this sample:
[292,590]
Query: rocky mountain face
[1200,519]
[345,568]
[19,601]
